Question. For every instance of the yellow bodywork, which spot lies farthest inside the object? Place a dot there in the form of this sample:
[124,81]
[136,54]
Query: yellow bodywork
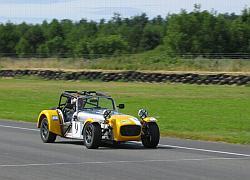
[117,121]
[54,123]
[89,120]
[149,119]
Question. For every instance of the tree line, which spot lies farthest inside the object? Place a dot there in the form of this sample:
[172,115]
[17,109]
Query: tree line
[196,32]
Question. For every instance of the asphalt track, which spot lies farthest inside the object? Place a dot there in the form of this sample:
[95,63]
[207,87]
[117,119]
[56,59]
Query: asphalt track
[23,156]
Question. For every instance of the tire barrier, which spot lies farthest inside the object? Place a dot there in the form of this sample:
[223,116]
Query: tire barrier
[129,76]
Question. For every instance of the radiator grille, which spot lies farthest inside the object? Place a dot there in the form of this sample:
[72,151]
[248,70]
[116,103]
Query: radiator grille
[130,130]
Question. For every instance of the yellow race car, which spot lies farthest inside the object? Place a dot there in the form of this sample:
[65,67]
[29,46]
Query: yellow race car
[94,118]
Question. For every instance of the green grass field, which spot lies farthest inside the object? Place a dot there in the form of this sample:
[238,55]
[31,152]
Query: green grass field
[217,113]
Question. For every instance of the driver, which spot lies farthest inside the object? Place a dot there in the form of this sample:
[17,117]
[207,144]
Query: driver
[81,103]
[69,109]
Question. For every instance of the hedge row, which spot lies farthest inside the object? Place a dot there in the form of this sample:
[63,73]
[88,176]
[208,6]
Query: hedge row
[188,78]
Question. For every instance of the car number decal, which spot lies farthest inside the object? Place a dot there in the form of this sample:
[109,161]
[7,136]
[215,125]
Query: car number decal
[76,128]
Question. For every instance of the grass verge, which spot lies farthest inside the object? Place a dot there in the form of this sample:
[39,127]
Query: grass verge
[217,113]
[153,60]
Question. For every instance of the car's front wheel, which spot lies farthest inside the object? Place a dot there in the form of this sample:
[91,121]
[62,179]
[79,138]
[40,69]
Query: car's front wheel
[92,135]
[46,135]
[151,135]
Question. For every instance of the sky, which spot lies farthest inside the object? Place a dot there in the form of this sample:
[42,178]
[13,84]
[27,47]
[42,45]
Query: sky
[35,11]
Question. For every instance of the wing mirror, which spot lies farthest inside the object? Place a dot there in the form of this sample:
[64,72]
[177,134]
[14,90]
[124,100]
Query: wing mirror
[121,106]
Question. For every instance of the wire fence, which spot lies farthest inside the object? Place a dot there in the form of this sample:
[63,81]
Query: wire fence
[211,56]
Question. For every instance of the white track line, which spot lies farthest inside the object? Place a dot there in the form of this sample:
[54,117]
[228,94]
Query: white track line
[160,145]
[198,149]
[118,162]
[14,127]
[205,150]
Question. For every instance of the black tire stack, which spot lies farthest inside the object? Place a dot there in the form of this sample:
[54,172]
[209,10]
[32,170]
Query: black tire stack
[130,76]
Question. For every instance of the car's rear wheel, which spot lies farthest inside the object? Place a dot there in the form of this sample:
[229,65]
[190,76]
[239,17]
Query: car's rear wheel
[151,135]
[92,135]
[46,135]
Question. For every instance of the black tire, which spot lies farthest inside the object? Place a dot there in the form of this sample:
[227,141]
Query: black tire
[92,135]
[46,135]
[151,135]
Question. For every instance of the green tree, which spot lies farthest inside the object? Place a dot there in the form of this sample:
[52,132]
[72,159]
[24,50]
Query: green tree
[81,49]
[109,45]
[23,48]
[54,30]
[134,31]
[196,32]
[43,51]
[34,37]
[245,17]
[151,37]
[8,39]
[56,47]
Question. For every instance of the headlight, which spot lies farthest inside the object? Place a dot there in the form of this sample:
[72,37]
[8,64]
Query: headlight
[142,113]
[107,114]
